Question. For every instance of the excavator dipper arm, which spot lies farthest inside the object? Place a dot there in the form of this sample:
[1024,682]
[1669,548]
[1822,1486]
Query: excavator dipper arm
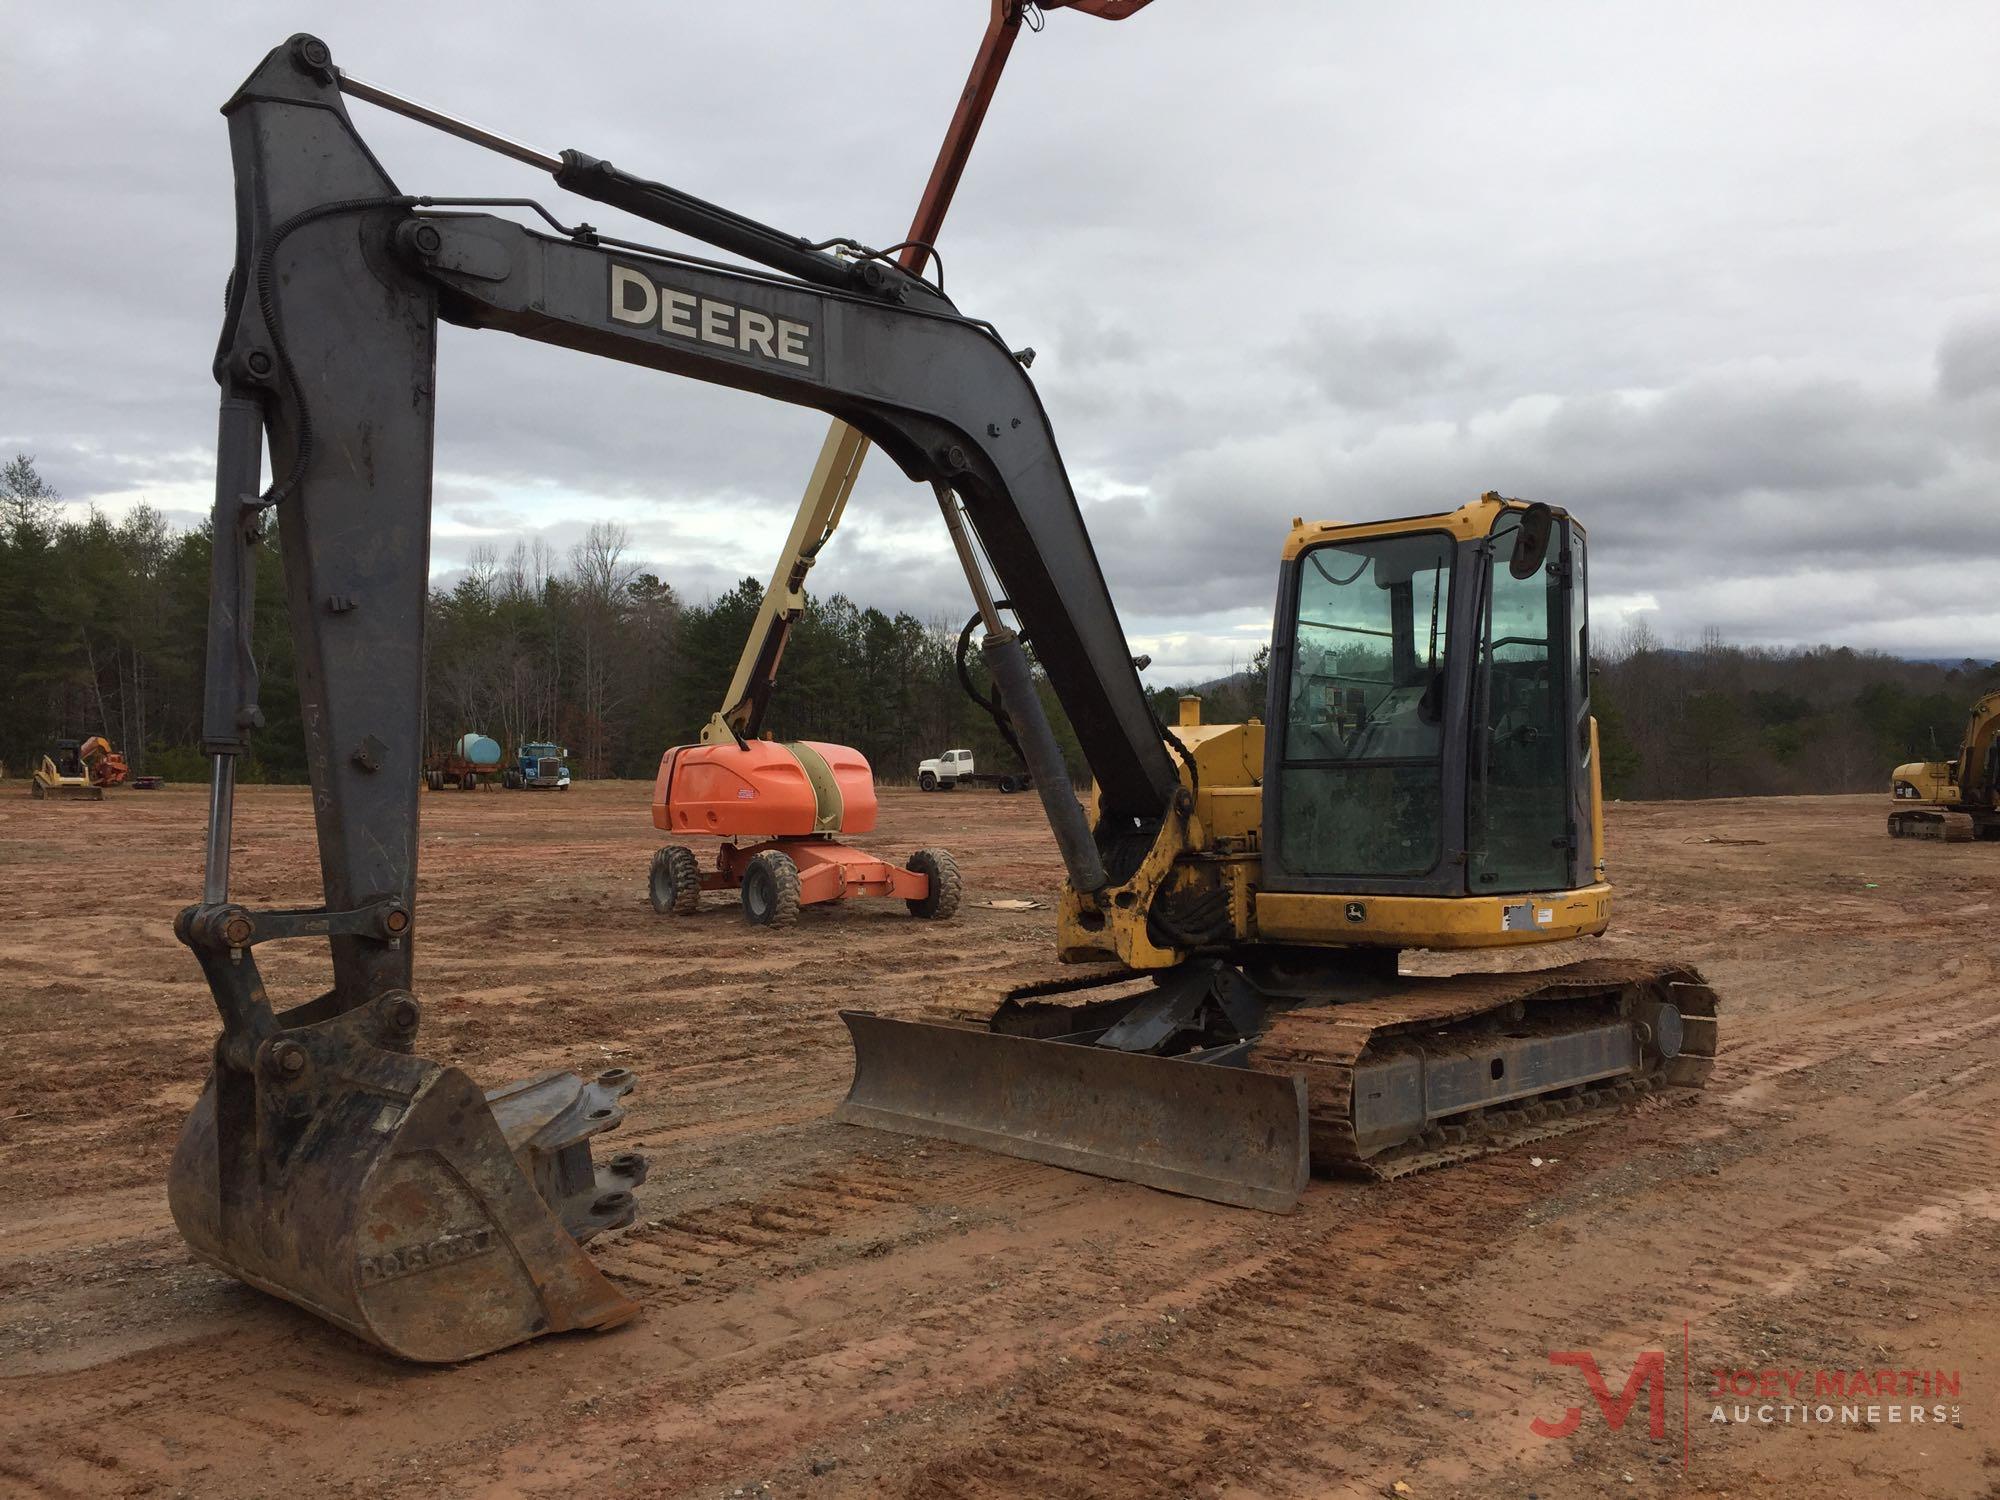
[326,1161]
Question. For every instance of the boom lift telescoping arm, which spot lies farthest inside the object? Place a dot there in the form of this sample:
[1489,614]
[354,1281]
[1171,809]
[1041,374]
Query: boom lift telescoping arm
[845,449]
[325,1161]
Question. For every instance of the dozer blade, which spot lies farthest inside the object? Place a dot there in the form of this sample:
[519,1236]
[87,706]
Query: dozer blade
[1207,1130]
[387,1194]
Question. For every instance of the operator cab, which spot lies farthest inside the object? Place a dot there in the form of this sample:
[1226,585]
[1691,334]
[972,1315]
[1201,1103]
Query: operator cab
[1429,713]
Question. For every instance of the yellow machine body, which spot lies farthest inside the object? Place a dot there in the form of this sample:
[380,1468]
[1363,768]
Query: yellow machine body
[1429,779]
[1954,800]
[66,778]
[1217,842]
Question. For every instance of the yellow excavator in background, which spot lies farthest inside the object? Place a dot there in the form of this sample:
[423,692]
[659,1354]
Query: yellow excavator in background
[1953,800]
[66,775]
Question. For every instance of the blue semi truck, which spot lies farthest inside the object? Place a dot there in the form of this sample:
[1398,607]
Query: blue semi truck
[538,767]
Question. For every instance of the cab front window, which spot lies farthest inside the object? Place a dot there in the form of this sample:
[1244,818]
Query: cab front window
[1362,769]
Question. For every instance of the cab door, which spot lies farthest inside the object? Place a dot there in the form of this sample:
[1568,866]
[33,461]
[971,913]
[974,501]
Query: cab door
[1527,773]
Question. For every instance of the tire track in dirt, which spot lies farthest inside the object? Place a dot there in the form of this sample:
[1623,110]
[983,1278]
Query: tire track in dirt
[1145,1437]
[1757,1244]
[936,1321]
[1273,1336]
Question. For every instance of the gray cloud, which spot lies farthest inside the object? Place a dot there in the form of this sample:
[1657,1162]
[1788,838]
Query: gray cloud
[1968,361]
[1719,498]
[1283,259]
[1378,367]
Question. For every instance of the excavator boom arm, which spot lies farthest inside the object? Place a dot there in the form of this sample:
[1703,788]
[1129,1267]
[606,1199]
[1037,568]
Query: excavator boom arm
[326,1161]
[1976,759]
[340,282]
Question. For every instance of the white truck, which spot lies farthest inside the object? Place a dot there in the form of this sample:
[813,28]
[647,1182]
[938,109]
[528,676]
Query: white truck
[954,768]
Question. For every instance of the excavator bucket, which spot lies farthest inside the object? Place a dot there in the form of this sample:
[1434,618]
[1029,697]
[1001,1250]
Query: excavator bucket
[1204,1129]
[389,1195]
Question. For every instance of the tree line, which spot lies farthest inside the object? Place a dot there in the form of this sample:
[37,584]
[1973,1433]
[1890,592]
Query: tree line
[103,625]
[1716,720]
[597,654]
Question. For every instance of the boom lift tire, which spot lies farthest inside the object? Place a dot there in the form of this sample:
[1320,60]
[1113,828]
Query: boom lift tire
[771,890]
[675,881]
[940,902]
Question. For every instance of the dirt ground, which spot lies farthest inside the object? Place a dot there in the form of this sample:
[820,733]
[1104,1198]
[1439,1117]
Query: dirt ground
[829,1311]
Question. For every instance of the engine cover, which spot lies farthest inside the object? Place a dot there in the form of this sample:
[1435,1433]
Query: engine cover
[764,789]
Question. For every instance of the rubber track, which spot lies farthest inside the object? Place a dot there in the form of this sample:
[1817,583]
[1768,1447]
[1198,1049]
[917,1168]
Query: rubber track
[1325,1043]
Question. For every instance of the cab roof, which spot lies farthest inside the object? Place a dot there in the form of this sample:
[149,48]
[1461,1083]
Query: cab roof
[1474,519]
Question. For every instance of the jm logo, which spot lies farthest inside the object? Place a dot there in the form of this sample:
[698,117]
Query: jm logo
[1649,1374]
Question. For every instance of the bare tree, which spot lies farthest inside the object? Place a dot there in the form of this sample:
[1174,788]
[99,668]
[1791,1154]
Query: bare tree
[601,578]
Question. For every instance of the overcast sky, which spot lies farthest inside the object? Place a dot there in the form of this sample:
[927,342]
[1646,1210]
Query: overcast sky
[1722,279]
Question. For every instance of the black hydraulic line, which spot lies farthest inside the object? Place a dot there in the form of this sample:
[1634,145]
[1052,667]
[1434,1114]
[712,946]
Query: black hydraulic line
[997,710]
[267,307]
[229,685]
[1007,662]
[1187,757]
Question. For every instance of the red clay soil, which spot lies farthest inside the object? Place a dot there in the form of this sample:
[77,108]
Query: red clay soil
[830,1311]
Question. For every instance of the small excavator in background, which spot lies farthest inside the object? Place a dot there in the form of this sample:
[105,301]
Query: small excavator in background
[1427,778]
[780,807]
[1955,800]
[82,770]
[65,775]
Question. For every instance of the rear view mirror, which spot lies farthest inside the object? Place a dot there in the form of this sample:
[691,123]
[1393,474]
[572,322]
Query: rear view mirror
[1531,541]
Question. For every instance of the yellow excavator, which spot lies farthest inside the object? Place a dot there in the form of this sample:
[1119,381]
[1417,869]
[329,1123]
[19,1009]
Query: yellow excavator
[1427,778]
[67,774]
[1954,800]
[1236,896]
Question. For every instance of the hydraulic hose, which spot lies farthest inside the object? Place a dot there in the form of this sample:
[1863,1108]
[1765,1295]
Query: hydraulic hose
[1007,663]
